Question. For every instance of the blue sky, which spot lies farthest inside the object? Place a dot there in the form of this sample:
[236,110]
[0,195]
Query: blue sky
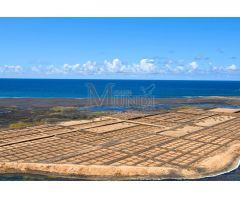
[123,48]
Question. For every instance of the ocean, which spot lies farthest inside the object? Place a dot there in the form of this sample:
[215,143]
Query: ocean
[68,88]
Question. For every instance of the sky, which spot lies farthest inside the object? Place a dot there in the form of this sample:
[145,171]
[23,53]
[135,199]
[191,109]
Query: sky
[120,48]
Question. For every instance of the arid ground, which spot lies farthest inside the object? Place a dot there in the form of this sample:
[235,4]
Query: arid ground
[176,143]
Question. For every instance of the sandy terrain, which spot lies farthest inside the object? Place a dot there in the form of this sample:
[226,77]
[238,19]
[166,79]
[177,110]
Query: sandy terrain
[111,127]
[95,170]
[74,122]
[214,120]
[111,147]
[181,131]
[225,110]
[223,161]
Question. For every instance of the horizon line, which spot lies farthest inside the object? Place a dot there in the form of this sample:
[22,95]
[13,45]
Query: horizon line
[1,78]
